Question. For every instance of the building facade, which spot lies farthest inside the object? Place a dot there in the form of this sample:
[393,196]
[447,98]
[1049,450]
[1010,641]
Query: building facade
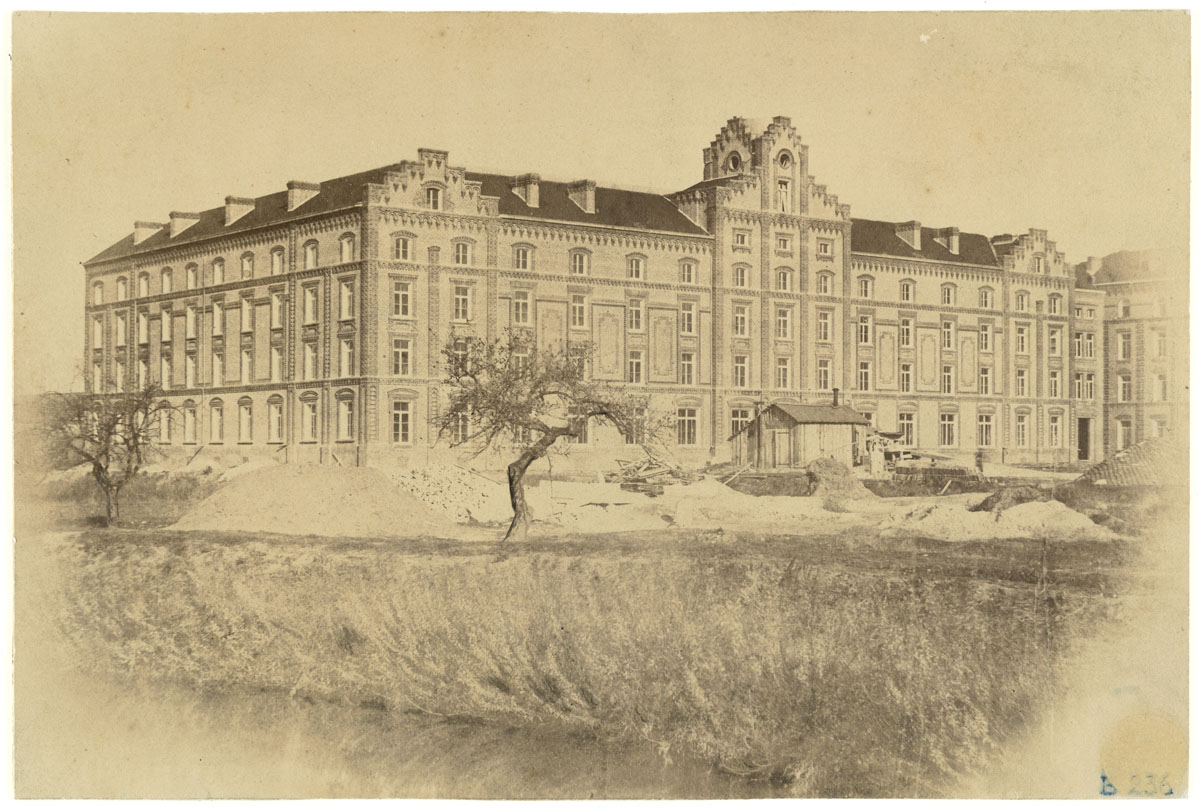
[310,323]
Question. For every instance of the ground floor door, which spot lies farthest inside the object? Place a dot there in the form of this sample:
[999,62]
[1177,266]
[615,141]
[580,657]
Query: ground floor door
[1085,438]
[782,443]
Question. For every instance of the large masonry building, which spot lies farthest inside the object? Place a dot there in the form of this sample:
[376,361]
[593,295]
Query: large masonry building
[311,322]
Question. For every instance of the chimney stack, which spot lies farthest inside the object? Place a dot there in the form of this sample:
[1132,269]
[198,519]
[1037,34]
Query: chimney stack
[835,396]
[526,187]
[911,233]
[300,192]
[182,221]
[144,230]
[236,207]
[947,237]
[583,194]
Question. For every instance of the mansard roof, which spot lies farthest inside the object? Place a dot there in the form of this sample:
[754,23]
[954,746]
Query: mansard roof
[615,207]
[880,238]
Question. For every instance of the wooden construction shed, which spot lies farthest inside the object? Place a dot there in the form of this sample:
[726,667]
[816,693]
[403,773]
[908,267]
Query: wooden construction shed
[790,436]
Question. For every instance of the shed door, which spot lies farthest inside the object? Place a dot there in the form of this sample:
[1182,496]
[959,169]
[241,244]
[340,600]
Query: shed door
[783,446]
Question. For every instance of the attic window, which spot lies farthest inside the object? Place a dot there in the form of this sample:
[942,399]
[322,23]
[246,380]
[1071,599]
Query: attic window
[433,198]
[734,162]
[785,160]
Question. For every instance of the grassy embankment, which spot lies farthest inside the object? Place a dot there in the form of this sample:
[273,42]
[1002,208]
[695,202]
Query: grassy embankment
[832,668]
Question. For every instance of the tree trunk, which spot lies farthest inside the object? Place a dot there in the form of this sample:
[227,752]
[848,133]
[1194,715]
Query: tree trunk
[116,506]
[519,526]
[108,508]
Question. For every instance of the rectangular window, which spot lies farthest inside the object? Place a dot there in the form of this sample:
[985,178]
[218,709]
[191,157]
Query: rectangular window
[984,436]
[741,318]
[1124,434]
[906,332]
[345,420]
[143,325]
[738,419]
[401,422]
[635,367]
[1160,387]
[985,381]
[1159,340]
[1124,346]
[218,368]
[433,198]
[947,378]
[247,362]
[741,371]
[1055,435]
[310,304]
[189,424]
[783,323]
[1089,386]
[785,195]
[1022,341]
[308,421]
[400,299]
[277,262]
[579,422]
[189,322]
[1055,305]
[824,375]
[905,378]
[864,375]
[985,298]
[985,336]
[824,326]
[1022,388]
[166,327]
[247,315]
[1022,429]
[119,378]
[634,311]
[164,369]
[346,300]
[635,268]
[275,422]
[462,303]
[122,326]
[687,365]
[906,424]
[276,363]
[401,357]
[824,248]
[1124,388]
[310,361]
[947,335]
[579,263]
[189,371]
[783,373]
[906,292]
[1054,341]
[578,311]
[216,423]
[1054,384]
[521,308]
[685,426]
[741,239]
[346,356]
[864,329]
[143,373]
[948,427]
[687,318]
[783,243]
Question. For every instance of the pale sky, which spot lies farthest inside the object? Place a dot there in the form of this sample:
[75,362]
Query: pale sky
[992,122]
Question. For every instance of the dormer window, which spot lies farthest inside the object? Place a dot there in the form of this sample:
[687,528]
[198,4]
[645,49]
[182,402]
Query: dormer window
[433,198]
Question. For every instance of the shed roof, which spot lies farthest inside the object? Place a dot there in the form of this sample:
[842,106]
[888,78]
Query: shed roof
[821,413]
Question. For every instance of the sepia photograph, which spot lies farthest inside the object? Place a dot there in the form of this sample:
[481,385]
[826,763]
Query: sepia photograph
[563,406]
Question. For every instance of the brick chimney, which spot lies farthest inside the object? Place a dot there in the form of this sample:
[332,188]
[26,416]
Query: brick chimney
[144,230]
[182,221]
[947,237]
[236,207]
[583,194]
[300,192]
[911,233]
[526,187]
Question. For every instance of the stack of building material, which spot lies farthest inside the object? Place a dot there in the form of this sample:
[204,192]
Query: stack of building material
[649,476]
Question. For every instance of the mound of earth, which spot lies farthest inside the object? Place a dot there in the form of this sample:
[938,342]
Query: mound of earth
[456,493]
[316,500]
[832,481]
[953,522]
[1007,498]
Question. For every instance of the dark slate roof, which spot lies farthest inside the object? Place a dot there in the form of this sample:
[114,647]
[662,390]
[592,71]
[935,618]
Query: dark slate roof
[716,181]
[870,236]
[1157,462]
[638,210]
[614,207]
[821,413]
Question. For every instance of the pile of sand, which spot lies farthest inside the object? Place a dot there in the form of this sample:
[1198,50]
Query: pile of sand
[709,503]
[954,522]
[456,493]
[316,500]
[1007,498]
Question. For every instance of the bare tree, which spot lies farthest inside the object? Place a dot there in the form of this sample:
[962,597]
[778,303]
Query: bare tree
[507,393]
[112,432]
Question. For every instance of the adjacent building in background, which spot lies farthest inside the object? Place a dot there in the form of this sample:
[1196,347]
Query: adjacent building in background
[310,323]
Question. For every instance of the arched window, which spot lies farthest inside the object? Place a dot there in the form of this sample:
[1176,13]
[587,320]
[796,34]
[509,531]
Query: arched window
[346,243]
[275,419]
[687,271]
[866,286]
[345,415]
[144,284]
[741,275]
[122,288]
[97,293]
[218,271]
[1055,304]
[433,198]
[523,256]
[247,265]
[635,267]
[310,254]
[783,279]
[190,273]
[245,420]
[581,262]
[1022,301]
[986,298]
[166,280]
[464,249]
[825,283]
[908,291]
[277,261]
[216,421]
[949,294]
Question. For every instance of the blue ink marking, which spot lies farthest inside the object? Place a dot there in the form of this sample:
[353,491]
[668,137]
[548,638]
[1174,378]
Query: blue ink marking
[1107,789]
